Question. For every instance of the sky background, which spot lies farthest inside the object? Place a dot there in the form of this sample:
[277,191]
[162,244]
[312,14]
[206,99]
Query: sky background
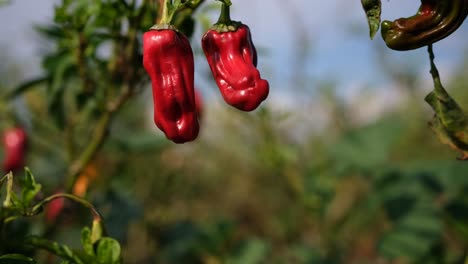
[335,31]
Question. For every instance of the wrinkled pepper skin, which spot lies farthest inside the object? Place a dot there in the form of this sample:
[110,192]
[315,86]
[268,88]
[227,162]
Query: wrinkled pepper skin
[232,58]
[168,59]
[14,142]
[435,20]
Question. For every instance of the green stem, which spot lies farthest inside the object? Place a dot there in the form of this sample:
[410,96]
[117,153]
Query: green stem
[91,149]
[438,87]
[37,208]
[225,15]
[434,71]
[166,18]
[168,11]
[225,24]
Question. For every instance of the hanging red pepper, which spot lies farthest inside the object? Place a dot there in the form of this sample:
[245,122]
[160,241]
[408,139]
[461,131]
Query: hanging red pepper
[232,58]
[435,20]
[14,142]
[168,59]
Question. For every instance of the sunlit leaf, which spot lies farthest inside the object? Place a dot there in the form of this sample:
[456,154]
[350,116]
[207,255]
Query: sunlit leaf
[30,188]
[373,11]
[86,241]
[108,251]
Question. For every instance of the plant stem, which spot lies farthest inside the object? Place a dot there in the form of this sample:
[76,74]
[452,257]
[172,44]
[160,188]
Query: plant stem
[225,15]
[168,11]
[101,131]
[37,208]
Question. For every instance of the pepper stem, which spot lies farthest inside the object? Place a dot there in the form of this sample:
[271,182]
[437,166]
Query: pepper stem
[167,15]
[225,24]
[225,15]
[169,8]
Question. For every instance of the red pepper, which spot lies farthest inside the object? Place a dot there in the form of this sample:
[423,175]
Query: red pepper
[168,59]
[232,58]
[14,141]
[54,209]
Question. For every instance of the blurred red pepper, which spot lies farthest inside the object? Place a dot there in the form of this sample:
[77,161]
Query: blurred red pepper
[232,58]
[14,142]
[54,209]
[168,59]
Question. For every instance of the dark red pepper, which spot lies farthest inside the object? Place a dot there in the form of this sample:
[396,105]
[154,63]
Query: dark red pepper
[14,142]
[232,58]
[435,20]
[168,59]
[54,209]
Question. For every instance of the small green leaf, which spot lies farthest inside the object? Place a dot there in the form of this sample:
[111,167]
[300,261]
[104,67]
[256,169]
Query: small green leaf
[30,188]
[16,259]
[55,248]
[373,9]
[86,241]
[9,189]
[108,251]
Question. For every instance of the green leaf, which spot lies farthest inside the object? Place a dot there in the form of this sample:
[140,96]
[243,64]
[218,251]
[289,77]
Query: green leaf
[55,248]
[414,235]
[16,259]
[252,252]
[86,241]
[30,188]
[24,87]
[108,251]
[450,122]
[373,9]
[9,189]
[51,31]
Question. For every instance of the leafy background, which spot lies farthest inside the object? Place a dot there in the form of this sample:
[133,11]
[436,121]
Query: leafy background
[336,176]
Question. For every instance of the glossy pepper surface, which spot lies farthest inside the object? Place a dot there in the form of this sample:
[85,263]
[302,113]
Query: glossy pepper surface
[435,20]
[168,59]
[232,58]
[14,142]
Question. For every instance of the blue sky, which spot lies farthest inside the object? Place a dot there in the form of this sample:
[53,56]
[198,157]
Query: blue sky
[336,29]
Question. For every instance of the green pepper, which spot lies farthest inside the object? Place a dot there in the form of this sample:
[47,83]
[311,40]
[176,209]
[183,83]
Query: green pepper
[435,20]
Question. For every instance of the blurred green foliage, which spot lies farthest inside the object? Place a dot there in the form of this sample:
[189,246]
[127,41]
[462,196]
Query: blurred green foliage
[249,190]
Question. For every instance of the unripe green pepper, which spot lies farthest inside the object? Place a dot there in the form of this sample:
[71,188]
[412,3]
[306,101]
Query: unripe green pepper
[435,20]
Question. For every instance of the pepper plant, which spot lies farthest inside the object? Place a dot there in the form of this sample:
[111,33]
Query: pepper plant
[434,21]
[107,52]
